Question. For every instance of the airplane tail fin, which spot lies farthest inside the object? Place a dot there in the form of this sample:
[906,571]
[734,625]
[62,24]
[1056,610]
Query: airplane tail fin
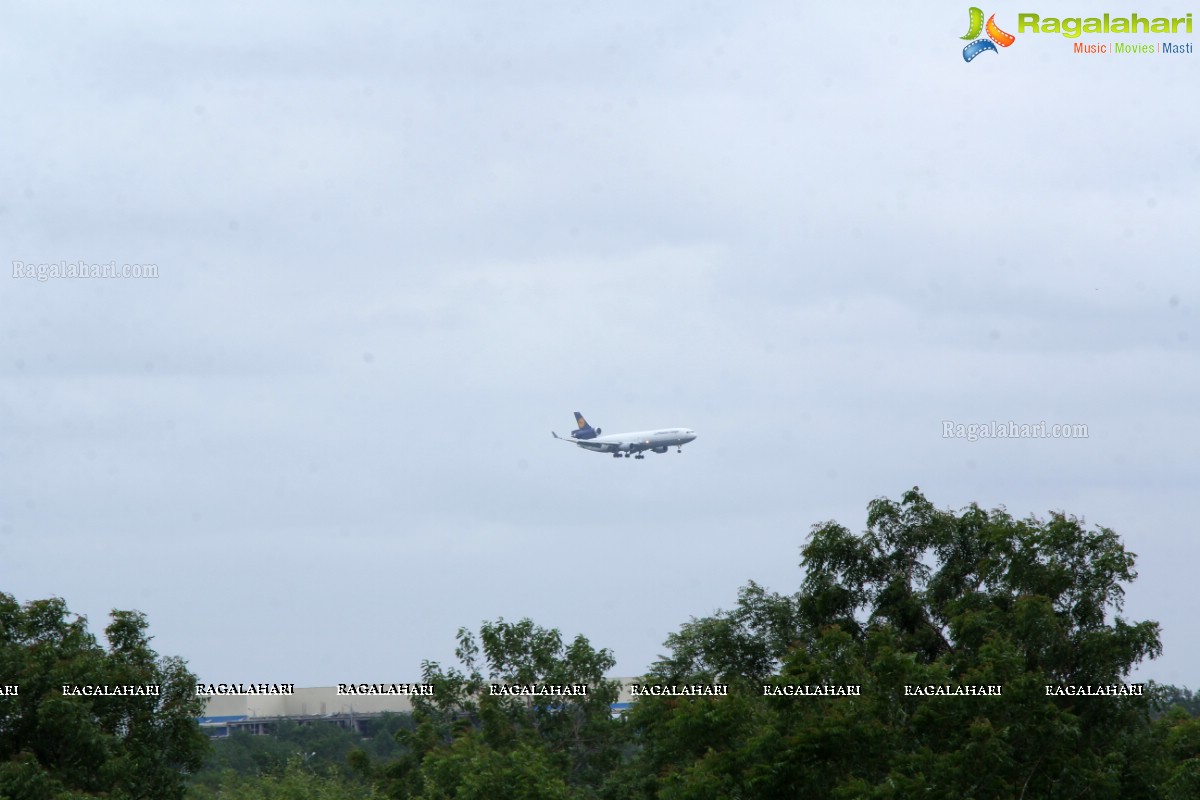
[584,431]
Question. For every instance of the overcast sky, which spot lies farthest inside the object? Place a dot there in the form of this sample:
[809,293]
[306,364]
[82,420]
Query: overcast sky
[399,243]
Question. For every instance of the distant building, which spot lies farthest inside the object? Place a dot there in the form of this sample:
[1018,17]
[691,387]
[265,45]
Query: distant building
[224,714]
[260,713]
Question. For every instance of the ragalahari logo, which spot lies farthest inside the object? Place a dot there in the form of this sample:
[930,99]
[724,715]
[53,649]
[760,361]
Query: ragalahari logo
[995,36]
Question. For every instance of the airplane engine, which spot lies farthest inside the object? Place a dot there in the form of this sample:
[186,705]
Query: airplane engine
[662,449]
[597,431]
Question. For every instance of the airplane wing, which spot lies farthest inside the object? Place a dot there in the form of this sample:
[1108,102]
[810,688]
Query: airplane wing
[588,444]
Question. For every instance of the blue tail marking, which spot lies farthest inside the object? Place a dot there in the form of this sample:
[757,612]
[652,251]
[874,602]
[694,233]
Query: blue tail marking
[584,431]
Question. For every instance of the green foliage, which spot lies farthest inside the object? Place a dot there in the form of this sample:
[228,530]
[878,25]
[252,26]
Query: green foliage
[1181,741]
[471,743]
[922,597]
[748,642]
[471,769]
[325,748]
[1168,697]
[296,781]
[55,745]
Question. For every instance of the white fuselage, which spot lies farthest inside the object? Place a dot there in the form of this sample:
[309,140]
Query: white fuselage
[639,441]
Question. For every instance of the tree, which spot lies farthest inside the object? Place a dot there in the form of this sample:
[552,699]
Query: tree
[747,642]
[922,597]
[54,743]
[1168,697]
[469,742]
[296,780]
[1181,744]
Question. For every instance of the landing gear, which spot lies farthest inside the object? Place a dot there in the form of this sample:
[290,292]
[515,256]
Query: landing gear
[616,455]
[627,455]
[680,450]
[640,455]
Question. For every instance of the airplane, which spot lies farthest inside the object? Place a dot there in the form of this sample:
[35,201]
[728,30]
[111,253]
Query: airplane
[626,444]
